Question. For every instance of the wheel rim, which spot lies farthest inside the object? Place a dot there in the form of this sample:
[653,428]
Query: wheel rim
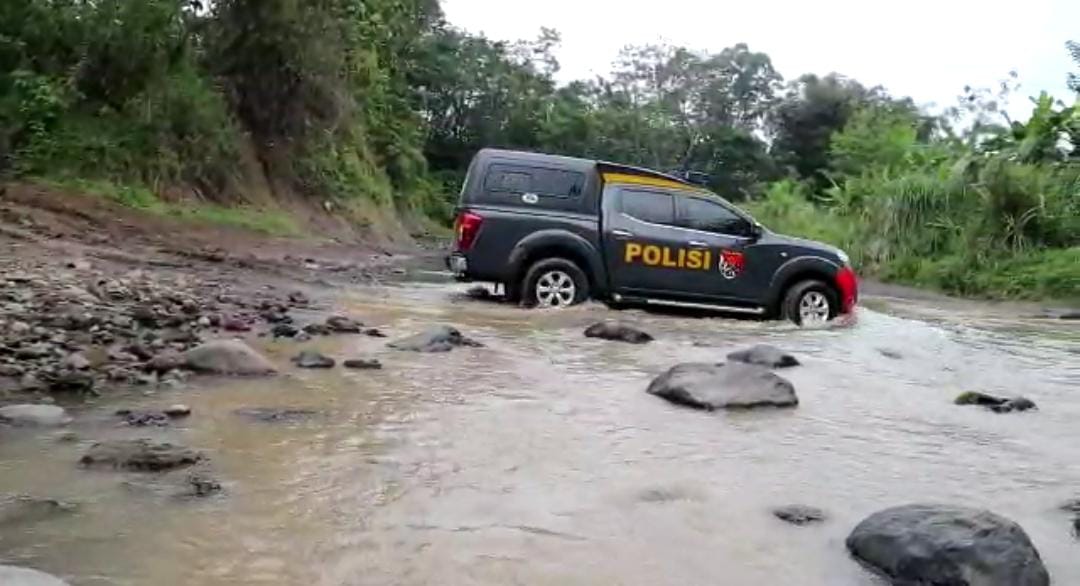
[555,289]
[814,308]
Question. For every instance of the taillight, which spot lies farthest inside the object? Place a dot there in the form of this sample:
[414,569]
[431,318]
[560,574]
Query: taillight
[466,227]
[848,284]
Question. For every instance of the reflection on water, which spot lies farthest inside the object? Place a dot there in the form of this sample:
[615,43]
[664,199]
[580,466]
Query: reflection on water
[540,459]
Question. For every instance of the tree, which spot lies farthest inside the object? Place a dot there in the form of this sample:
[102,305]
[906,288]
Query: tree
[806,118]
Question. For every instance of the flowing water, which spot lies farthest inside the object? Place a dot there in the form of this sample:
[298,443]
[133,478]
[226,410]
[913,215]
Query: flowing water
[541,460]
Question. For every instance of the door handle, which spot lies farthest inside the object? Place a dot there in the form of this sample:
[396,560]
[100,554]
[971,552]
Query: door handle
[622,233]
[698,244]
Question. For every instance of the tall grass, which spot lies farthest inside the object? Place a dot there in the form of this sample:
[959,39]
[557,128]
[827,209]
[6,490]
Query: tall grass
[993,228]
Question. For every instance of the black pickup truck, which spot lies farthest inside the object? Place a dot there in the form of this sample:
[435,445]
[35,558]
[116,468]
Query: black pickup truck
[557,231]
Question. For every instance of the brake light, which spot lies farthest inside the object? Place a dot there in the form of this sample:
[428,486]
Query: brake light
[466,226]
[848,284]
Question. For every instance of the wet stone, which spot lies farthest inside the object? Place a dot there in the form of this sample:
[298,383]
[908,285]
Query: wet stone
[439,339]
[799,514]
[619,332]
[140,455]
[227,357]
[764,355]
[275,414]
[343,325]
[144,418]
[723,386]
[317,330]
[34,415]
[284,331]
[311,359]
[201,486]
[941,544]
[995,404]
[363,364]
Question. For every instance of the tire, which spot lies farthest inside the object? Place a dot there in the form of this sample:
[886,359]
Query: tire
[806,298]
[554,282]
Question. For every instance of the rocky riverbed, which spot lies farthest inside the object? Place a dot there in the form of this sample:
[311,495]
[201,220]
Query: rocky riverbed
[499,444]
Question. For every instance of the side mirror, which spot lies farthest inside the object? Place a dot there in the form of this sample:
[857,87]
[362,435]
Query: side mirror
[756,230]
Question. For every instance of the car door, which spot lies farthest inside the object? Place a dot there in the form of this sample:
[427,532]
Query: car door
[642,243]
[736,271]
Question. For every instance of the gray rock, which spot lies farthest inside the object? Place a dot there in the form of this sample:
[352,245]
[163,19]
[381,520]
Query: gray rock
[311,359]
[374,333]
[284,331]
[890,353]
[799,514]
[363,364]
[71,382]
[144,418]
[34,415]
[317,330]
[233,324]
[177,411]
[619,332]
[141,455]
[995,404]
[723,386]
[275,414]
[343,325]
[22,509]
[200,485]
[764,355]
[76,361]
[227,357]
[13,576]
[947,545]
[166,361]
[438,339]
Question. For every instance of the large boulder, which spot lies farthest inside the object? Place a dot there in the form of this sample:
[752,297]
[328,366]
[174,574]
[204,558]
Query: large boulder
[723,386]
[13,576]
[764,355]
[947,546]
[619,332]
[227,357]
[34,415]
[438,339]
[141,455]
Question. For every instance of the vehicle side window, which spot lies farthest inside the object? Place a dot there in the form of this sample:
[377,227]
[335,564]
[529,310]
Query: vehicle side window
[649,206]
[545,182]
[707,216]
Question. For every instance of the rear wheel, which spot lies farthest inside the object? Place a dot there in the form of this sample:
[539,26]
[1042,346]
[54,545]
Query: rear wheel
[554,282]
[810,302]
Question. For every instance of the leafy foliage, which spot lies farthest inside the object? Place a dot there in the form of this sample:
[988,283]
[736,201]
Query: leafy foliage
[373,108]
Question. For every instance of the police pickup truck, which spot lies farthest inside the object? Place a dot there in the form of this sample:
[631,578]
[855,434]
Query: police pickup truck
[557,231]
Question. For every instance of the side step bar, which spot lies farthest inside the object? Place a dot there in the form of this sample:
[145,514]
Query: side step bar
[689,305]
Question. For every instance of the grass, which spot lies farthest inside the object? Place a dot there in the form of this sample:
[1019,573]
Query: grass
[925,255]
[263,221]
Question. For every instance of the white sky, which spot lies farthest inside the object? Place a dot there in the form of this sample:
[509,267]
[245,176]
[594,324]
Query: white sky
[926,49]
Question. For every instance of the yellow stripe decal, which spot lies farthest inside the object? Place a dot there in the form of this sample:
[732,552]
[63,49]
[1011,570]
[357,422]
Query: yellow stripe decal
[649,181]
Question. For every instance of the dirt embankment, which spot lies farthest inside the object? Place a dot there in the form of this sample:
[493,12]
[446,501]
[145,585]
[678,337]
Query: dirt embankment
[92,293]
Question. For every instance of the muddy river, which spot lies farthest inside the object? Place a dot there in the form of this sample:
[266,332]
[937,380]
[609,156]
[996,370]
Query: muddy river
[540,459]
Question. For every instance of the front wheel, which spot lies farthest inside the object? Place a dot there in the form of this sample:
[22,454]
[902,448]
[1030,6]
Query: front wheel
[810,302]
[554,282]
